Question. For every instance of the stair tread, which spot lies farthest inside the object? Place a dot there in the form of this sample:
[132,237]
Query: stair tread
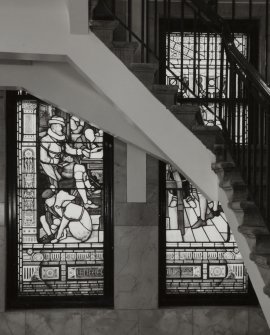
[185,108]
[125,45]
[266,290]
[204,128]
[252,231]
[144,67]
[262,260]
[223,166]
[104,24]
[165,88]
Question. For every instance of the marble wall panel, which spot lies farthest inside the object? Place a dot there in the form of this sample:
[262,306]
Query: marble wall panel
[103,322]
[120,171]
[3,268]
[136,267]
[257,323]
[222,321]
[55,322]
[152,179]
[2,147]
[136,214]
[166,322]
[12,323]
[2,214]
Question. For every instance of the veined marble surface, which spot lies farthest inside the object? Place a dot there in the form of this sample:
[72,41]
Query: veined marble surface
[136,267]
[47,322]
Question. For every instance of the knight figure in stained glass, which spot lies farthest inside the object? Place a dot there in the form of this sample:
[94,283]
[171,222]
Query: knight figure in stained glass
[60,204]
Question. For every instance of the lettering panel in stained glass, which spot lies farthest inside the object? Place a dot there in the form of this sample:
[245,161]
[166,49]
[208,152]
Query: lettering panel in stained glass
[202,256]
[60,203]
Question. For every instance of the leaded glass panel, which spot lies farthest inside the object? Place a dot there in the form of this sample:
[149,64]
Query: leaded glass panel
[201,70]
[202,256]
[60,214]
[204,53]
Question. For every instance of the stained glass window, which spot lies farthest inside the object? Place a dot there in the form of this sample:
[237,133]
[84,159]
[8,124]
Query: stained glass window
[205,56]
[201,256]
[200,61]
[62,213]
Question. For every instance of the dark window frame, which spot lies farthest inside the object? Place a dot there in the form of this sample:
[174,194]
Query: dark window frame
[166,300]
[13,300]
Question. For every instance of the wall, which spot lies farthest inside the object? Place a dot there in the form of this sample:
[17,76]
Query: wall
[136,278]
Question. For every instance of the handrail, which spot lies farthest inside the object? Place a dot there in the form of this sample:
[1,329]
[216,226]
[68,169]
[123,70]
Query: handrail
[144,45]
[238,96]
[220,26]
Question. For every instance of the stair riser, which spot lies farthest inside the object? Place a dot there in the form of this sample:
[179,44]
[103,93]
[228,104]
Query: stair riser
[106,36]
[267,290]
[167,99]
[104,31]
[126,55]
[262,244]
[261,260]
[188,119]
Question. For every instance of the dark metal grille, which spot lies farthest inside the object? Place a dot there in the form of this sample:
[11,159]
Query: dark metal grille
[199,59]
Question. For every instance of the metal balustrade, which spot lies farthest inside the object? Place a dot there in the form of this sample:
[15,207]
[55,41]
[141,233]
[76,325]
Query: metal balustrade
[217,53]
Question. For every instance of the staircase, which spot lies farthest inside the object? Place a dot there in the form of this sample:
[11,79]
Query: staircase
[248,225]
[81,68]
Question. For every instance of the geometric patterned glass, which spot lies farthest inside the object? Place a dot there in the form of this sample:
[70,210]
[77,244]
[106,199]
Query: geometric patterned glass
[197,59]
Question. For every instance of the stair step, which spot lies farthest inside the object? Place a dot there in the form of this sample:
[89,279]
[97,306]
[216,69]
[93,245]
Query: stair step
[262,244]
[230,180]
[209,135]
[239,188]
[262,260]
[189,115]
[253,223]
[125,51]
[104,29]
[145,72]
[220,152]
[166,94]
[266,290]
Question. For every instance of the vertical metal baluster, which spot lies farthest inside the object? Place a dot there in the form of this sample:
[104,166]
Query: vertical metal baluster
[243,158]
[169,28]
[221,82]
[165,15]
[261,155]
[129,19]
[250,118]
[147,31]
[194,51]
[142,28]
[267,202]
[266,38]
[215,78]
[238,97]
[233,105]
[233,13]
[250,9]
[207,64]
[155,28]
[216,109]
[114,7]
[182,44]
[254,156]
[227,93]
[199,56]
